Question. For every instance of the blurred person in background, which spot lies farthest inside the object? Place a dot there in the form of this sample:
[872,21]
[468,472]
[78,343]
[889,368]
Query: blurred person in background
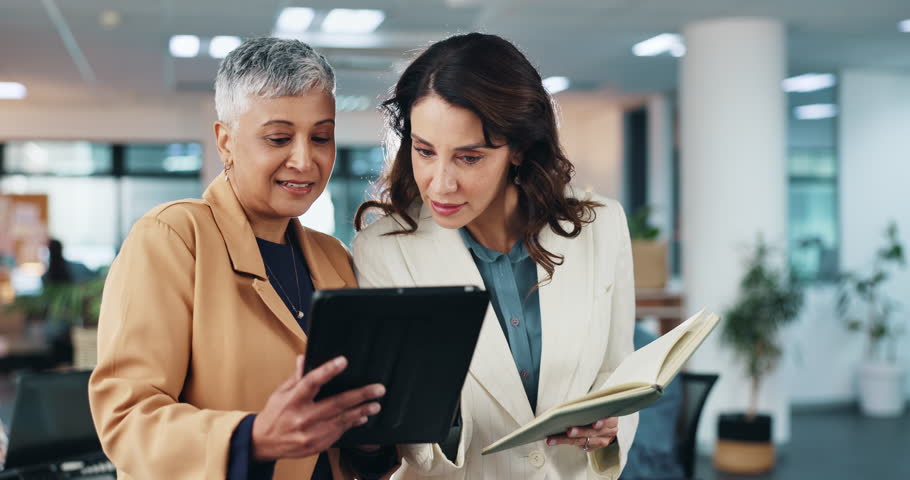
[61,273]
[202,327]
[61,270]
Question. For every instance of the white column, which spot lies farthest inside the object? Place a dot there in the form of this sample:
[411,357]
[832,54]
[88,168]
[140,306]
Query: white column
[733,187]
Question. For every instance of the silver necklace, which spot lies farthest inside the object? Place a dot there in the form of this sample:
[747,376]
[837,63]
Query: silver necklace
[297,311]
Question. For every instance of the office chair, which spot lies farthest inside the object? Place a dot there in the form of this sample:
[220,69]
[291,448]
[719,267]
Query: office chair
[696,387]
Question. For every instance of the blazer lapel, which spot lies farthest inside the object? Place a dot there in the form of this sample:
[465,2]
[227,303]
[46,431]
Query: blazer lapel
[323,273]
[244,251]
[565,310]
[444,260]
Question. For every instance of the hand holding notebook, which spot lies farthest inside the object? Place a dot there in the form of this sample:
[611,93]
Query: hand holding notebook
[636,383]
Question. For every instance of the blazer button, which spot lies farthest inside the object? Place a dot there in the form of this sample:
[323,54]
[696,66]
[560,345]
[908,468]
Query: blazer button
[537,459]
[515,322]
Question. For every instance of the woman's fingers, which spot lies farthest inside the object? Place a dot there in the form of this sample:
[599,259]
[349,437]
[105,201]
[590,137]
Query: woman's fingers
[309,384]
[337,404]
[593,442]
[554,440]
[597,435]
[322,435]
[298,372]
[582,432]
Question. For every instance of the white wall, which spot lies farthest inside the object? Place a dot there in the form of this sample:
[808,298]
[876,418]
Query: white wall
[591,132]
[874,149]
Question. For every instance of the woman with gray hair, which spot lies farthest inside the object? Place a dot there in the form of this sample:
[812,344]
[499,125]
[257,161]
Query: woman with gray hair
[202,327]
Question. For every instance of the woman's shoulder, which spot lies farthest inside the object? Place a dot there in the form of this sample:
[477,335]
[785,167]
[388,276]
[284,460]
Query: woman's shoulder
[387,224]
[331,245]
[183,217]
[607,211]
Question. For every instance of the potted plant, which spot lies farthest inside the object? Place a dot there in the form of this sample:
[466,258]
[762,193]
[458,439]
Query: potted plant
[649,255]
[75,305]
[864,307]
[768,299]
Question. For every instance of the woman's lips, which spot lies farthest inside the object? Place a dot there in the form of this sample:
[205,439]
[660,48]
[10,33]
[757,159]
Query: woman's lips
[295,188]
[446,209]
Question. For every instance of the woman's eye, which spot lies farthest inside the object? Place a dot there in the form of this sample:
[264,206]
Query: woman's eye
[424,152]
[470,159]
[321,140]
[279,141]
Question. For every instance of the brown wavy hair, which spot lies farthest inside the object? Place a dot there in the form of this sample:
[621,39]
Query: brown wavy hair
[490,77]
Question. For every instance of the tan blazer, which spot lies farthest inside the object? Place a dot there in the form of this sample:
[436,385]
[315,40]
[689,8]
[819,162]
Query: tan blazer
[587,315]
[192,338]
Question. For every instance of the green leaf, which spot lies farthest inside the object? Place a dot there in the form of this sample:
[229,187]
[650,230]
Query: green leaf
[639,226]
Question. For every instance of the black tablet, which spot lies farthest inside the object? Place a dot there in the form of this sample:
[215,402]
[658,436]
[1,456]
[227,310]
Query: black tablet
[418,342]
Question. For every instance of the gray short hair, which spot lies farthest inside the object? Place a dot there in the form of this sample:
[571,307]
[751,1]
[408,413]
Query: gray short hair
[268,67]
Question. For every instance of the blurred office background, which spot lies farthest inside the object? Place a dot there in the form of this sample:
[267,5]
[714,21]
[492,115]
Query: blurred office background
[728,119]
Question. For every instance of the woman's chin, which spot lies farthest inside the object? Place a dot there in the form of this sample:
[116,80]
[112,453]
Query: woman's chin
[293,210]
[451,222]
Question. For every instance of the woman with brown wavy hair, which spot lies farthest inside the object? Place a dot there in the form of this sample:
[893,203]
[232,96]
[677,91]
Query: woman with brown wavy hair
[478,191]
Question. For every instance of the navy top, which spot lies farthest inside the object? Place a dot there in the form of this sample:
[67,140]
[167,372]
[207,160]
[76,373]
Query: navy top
[510,280]
[280,270]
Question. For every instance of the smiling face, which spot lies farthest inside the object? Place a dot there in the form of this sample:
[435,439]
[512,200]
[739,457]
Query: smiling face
[280,153]
[462,180]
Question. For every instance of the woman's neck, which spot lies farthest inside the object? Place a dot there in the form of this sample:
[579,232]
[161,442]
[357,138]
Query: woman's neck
[501,225]
[272,229]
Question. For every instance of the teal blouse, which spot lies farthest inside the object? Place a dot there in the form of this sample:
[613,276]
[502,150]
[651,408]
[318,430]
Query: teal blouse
[510,280]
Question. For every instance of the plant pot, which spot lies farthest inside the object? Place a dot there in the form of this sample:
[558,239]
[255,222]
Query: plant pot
[744,445]
[881,389]
[650,261]
[85,347]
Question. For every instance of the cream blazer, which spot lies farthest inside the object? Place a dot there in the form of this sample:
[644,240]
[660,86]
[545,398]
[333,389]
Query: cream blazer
[587,323]
[192,338]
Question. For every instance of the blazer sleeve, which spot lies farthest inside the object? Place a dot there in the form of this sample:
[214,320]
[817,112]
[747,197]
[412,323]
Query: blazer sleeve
[609,462]
[144,348]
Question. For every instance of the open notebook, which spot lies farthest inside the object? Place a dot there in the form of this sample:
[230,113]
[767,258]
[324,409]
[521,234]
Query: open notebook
[636,383]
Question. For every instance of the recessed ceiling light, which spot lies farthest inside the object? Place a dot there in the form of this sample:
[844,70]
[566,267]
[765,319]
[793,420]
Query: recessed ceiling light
[555,84]
[904,25]
[293,20]
[809,82]
[12,91]
[109,19]
[222,45]
[816,111]
[345,20]
[671,43]
[184,46]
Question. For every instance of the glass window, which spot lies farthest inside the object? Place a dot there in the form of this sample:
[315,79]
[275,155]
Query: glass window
[57,158]
[356,168]
[812,197]
[81,213]
[139,195]
[163,159]
[365,162]
[94,193]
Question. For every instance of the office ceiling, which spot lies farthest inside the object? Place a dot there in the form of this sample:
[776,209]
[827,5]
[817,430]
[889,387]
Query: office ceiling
[59,49]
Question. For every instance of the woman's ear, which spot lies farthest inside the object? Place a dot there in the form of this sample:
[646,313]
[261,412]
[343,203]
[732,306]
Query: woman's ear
[223,143]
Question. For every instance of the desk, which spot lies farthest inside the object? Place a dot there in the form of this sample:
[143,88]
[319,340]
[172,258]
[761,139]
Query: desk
[667,306]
